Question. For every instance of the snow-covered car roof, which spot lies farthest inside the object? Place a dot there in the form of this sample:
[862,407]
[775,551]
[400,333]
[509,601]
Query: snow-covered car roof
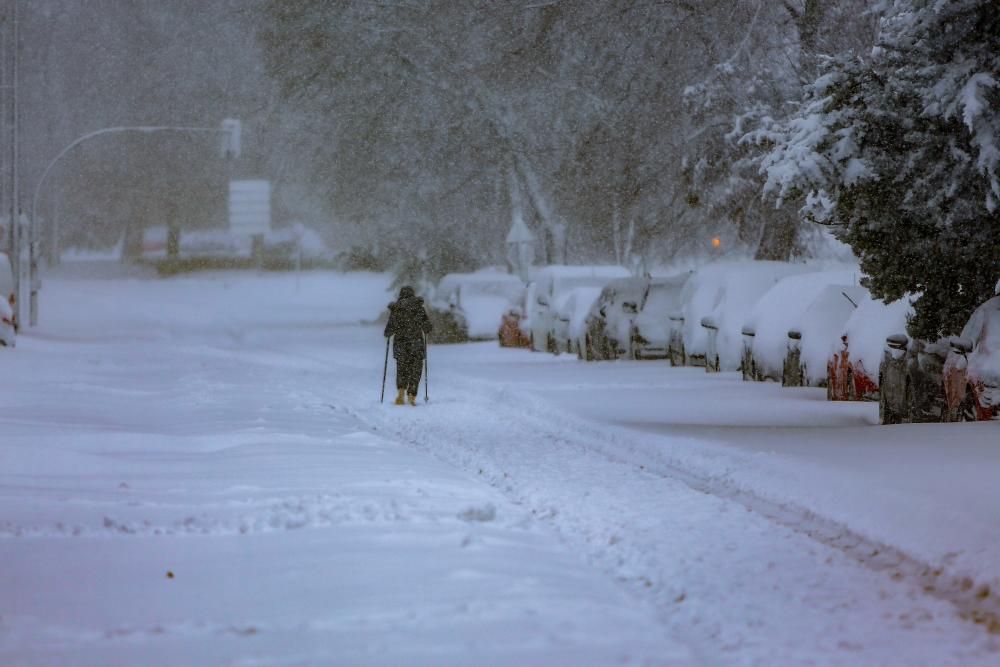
[627,289]
[559,278]
[488,281]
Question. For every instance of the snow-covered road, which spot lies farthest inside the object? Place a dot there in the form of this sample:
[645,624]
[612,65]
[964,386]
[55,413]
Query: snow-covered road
[198,471]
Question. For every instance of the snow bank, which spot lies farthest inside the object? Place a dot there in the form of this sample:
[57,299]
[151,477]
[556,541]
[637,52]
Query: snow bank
[113,253]
[235,305]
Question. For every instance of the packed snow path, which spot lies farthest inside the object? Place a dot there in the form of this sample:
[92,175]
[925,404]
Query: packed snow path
[198,471]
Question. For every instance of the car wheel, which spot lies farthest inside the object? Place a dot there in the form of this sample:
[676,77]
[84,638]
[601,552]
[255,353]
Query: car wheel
[967,408]
[911,411]
[886,415]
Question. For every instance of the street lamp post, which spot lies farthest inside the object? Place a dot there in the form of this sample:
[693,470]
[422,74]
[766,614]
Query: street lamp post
[520,247]
[230,129]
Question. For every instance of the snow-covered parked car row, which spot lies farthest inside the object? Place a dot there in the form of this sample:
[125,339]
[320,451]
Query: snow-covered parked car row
[801,324]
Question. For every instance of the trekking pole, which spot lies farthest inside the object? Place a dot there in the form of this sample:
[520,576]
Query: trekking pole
[426,372]
[385,369]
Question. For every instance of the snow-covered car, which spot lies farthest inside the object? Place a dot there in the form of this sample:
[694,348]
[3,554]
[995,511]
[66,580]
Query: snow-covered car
[615,336]
[852,370]
[551,282]
[592,347]
[817,332]
[972,368]
[650,337]
[608,325]
[8,337]
[570,316]
[910,380]
[7,293]
[728,291]
[779,310]
[472,305]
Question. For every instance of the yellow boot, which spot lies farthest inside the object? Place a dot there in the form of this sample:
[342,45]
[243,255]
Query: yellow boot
[413,399]
[399,397]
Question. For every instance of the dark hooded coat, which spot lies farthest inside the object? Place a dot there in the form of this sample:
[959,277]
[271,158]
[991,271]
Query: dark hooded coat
[408,322]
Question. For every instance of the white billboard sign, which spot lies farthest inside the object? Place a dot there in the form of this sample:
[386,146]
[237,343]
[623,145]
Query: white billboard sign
[250,207]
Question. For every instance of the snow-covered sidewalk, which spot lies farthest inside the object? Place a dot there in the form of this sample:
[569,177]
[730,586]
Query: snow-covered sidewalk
[171,497]
[226,429]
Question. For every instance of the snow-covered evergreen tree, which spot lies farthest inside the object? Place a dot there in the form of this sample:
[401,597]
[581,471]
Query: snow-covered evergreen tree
[901,151]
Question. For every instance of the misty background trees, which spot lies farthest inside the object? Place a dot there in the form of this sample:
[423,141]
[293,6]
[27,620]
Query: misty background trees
[411,132]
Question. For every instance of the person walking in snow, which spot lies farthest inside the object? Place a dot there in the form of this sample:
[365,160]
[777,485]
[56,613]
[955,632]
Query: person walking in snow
[408,324]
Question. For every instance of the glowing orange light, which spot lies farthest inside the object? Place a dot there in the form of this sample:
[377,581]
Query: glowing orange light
[716,242]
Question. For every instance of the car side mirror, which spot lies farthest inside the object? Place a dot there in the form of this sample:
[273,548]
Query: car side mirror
[897,341]
[960,345]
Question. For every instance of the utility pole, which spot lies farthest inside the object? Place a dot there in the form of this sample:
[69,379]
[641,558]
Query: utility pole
[14,215]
